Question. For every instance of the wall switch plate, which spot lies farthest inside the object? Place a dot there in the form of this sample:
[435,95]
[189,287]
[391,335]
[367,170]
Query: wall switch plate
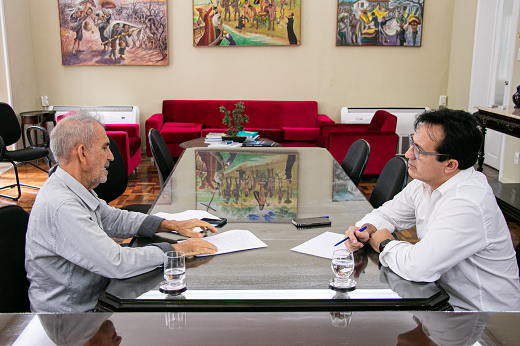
[443,100]
[517,157]
[45,101]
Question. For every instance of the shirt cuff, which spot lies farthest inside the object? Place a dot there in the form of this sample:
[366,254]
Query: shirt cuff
[149,226]
[163,246]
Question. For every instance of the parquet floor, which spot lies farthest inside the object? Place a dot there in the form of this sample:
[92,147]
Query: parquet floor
[143,187]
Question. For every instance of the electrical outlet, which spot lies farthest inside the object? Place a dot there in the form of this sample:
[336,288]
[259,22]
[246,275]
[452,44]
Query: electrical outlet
[517,157]
[45,101]
[443,100]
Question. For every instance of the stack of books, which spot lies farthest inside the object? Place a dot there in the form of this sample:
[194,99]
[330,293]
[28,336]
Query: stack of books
[250,135]
[214,137]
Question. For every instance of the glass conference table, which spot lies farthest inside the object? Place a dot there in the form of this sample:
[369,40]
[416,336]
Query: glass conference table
[307,182]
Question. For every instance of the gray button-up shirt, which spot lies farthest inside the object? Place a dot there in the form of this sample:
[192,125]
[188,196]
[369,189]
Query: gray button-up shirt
[69,255]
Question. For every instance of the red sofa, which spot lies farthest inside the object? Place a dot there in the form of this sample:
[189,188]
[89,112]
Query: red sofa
[380,134]
[290,123]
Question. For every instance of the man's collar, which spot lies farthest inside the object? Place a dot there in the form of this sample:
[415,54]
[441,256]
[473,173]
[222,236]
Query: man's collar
[457,178]
[89,197]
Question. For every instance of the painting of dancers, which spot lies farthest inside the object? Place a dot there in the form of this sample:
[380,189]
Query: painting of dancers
[113,32]
[380,23]
[250,186]
[218,23]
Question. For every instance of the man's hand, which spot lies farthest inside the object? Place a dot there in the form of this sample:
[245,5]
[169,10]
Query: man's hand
[185,228]
[192,247]
[378,237]
[356,239]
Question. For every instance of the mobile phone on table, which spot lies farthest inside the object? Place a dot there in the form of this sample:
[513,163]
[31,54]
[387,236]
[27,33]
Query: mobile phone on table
[216,222]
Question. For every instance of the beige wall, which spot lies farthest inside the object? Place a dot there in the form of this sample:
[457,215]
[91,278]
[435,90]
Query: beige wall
[316,70]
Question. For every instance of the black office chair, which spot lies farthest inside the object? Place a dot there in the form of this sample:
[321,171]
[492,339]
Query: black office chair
[14,296]
[161,154]
[356,160]
[117,181]
[517,249]
[391,181]
[10,133]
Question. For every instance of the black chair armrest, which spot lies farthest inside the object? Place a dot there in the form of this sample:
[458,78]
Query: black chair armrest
[2,147]
[45,136]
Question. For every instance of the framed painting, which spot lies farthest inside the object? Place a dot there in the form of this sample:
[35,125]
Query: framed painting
[379,23]
[248,186]
[113,32]
[218,23]
[343,189]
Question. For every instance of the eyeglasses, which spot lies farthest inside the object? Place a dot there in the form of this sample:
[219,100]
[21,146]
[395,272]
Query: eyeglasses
[418,152]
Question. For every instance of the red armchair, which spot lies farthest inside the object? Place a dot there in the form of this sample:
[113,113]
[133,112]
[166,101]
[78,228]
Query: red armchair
[127,139]
[380,134]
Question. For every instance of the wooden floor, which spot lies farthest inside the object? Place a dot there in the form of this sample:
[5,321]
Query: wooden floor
[143,187]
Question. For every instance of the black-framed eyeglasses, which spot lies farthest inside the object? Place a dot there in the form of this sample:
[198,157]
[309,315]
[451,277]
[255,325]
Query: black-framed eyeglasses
[418,152]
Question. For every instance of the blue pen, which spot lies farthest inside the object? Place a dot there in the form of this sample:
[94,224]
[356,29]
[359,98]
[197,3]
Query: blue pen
[359,230]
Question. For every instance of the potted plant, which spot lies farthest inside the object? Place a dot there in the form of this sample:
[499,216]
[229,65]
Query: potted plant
[235,122]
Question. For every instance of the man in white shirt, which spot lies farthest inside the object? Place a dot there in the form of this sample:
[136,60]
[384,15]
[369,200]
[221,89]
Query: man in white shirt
[464,242]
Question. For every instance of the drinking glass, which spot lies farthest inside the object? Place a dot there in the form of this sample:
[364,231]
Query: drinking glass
[342,266]
[174,272]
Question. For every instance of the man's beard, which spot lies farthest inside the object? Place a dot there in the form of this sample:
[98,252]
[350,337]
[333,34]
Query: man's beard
[101,177]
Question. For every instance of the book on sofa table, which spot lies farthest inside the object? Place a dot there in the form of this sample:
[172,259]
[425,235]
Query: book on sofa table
[259,144]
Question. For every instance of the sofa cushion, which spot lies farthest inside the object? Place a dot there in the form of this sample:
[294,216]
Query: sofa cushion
[180,132]
[300,134]
[134,144]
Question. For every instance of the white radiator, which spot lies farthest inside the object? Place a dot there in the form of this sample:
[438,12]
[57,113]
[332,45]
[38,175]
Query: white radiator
[405,119]
[110,114]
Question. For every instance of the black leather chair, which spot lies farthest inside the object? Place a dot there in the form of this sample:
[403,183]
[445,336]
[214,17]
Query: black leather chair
[161,154]
[117,181]
[391,181]
[517,249]
[10,133]
[356,160]
[14,296]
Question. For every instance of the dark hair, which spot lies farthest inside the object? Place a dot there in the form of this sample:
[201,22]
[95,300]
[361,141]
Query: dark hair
[462,135]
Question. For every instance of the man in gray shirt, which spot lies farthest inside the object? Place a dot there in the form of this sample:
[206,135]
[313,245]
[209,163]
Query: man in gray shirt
[70,255]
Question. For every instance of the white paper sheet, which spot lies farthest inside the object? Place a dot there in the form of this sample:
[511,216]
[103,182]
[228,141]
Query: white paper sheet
[233,241]
[322,245]
[187,215]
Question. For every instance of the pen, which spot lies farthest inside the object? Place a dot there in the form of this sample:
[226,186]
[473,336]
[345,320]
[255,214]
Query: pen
[324,217]
[359,230]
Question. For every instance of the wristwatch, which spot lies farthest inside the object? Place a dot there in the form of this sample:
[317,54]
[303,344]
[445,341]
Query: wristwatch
[383,244]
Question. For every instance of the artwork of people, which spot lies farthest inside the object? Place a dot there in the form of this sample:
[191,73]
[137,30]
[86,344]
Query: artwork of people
[248,186]
[109,32]
[379,23]
[219,23]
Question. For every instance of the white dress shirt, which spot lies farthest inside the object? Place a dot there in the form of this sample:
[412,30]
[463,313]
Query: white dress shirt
[464,242]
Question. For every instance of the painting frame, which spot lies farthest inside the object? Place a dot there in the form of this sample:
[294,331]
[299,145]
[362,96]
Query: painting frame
[245,23]
[247,186]
[113,32]
[379,23]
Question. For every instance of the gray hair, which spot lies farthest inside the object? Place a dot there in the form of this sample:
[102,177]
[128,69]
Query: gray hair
[73,129]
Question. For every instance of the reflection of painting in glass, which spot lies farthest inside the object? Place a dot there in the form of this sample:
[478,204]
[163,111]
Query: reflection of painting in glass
[247,186]
[343,189]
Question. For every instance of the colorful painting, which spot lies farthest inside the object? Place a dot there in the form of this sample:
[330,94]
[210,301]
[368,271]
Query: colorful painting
[113,32]
[248,186]
[380,23]
[219,23]
[343,189]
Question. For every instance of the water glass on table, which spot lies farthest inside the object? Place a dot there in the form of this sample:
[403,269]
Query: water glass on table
[174,272]
[342,266]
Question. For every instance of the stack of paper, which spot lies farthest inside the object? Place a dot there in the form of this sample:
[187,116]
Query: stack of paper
[233,241]
[214,137]
[225,144]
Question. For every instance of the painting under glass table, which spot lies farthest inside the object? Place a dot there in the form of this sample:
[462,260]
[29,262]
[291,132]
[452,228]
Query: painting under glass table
[379,23]
[248,186]
[218,23]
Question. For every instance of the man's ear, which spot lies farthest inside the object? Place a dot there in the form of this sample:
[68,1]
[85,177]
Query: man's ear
[451,166]
[81,151]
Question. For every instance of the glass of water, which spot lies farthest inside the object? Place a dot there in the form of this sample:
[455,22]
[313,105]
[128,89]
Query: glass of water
[174,272]
[342,266]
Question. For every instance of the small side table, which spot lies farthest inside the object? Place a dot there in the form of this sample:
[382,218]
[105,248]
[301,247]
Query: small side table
[199,142]
[35,118]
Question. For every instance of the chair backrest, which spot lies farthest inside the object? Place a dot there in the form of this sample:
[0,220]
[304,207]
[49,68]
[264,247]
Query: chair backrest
[14,296]
[383,121]
[117,179]
[517,249]
[10,130]
[356,160]
[161,154]
[391,181]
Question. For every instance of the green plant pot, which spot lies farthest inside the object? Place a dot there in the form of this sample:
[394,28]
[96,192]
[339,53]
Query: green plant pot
[239,139]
